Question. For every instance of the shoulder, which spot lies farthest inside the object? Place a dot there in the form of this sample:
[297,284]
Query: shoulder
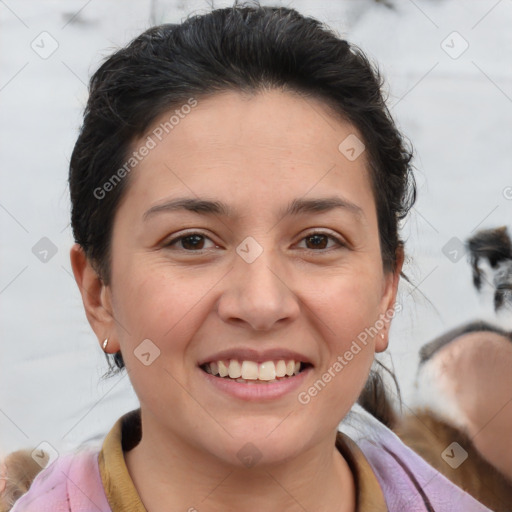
[407,481]
[71,483]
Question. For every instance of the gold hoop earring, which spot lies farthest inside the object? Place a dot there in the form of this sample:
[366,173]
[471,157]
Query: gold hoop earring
[105,343]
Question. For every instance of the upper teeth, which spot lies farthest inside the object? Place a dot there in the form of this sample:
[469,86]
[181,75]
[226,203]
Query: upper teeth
[250,370]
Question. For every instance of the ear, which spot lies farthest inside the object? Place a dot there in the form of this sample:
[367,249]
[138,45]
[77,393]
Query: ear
[96,297]
[388,310]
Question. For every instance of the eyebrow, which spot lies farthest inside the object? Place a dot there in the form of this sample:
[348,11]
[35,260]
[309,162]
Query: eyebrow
[296,207]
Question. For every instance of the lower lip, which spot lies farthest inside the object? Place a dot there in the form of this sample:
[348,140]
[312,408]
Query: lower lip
[257,392]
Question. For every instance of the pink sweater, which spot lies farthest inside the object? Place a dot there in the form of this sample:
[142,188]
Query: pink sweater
[73,483]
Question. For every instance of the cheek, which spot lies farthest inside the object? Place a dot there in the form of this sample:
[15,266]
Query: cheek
[346,314]
[350,306]
[160,305]
[166,311]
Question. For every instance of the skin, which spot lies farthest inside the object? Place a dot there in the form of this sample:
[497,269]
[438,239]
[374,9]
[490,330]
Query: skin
[263,152]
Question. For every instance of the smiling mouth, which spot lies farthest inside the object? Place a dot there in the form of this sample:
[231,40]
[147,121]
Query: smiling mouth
[250,372]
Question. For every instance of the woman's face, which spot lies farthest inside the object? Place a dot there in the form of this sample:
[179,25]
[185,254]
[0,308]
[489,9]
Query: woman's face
[248,234]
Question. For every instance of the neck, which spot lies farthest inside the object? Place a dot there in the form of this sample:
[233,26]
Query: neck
[171,475]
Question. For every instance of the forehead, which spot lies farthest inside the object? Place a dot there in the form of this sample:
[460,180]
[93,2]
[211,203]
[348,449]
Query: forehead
[250,143]
[275,119]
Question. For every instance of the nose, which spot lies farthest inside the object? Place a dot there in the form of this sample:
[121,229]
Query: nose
[258,295]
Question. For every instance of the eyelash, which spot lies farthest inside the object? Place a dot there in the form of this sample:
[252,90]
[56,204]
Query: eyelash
[340,244]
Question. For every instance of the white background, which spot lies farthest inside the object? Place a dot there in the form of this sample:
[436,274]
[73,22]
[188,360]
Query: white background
[456,111]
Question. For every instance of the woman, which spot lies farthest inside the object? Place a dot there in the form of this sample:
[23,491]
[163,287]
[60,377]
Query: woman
[236,191]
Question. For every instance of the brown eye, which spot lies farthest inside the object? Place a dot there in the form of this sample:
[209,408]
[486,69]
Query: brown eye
[317,241]
[190,243]
[320,242]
